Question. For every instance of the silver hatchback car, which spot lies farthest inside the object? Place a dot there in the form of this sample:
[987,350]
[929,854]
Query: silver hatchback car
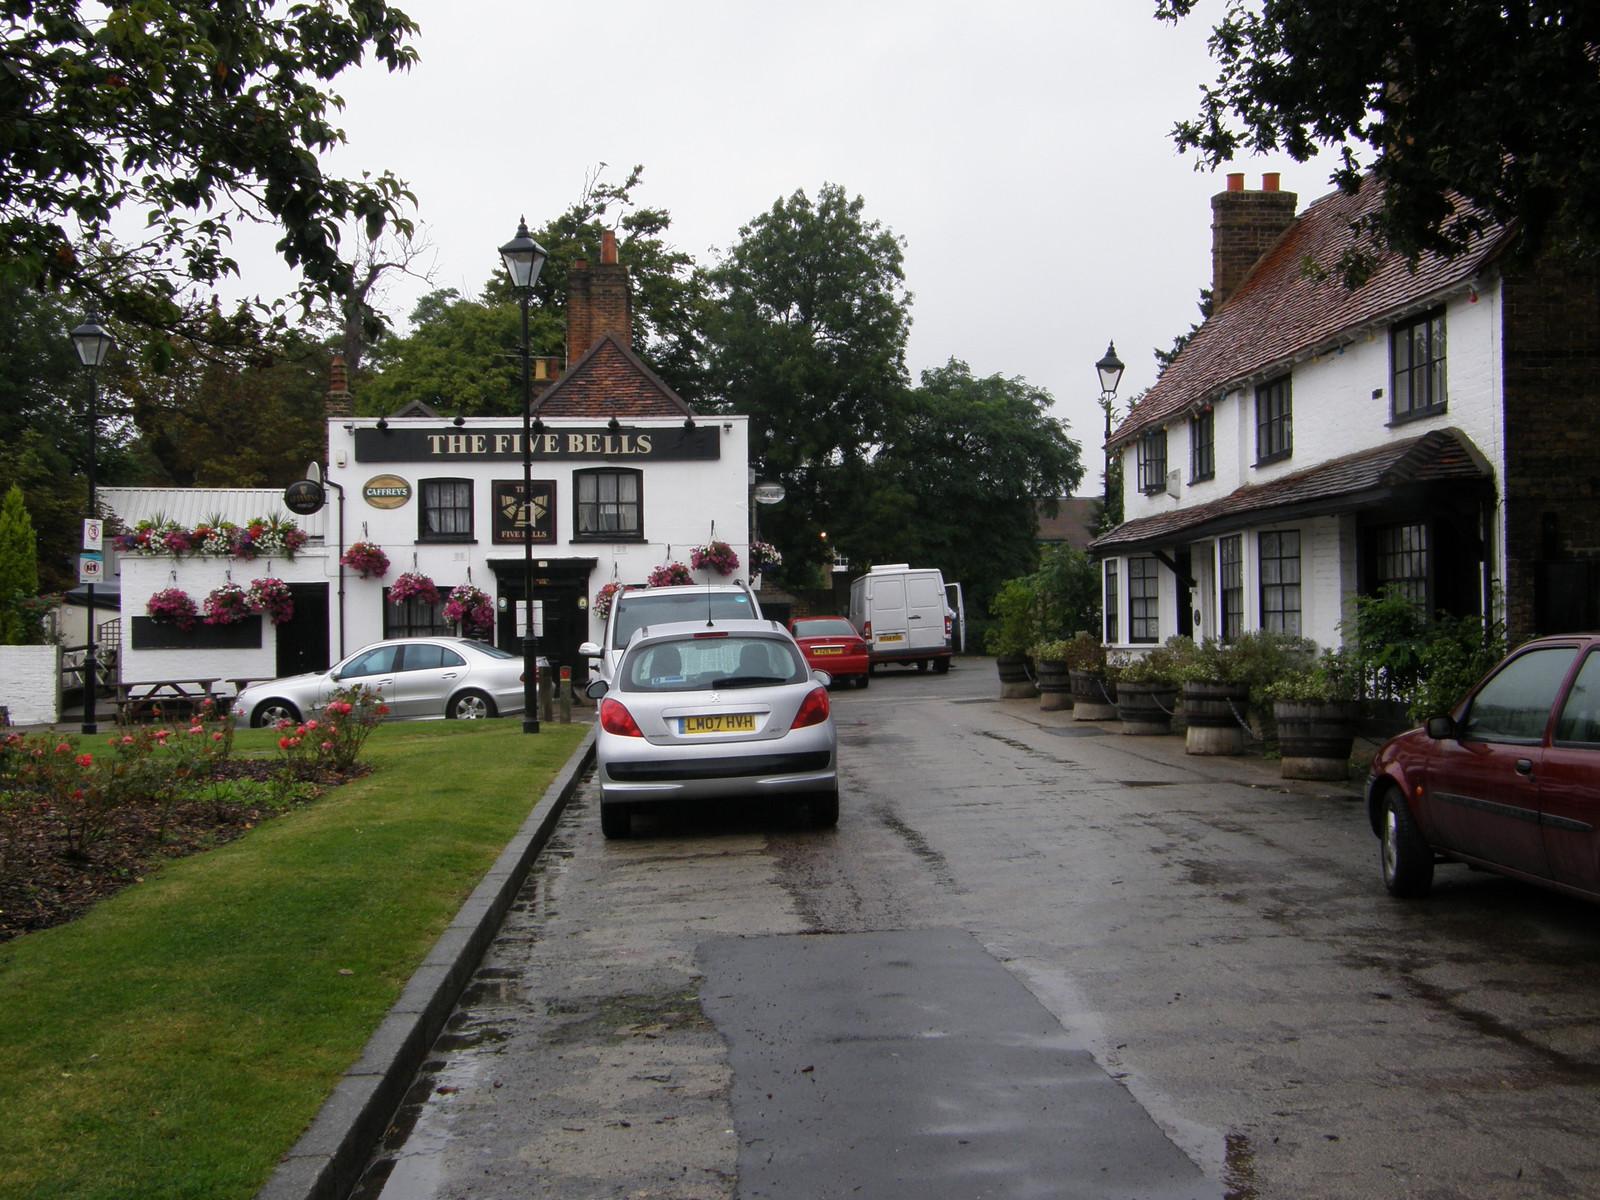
[714,710]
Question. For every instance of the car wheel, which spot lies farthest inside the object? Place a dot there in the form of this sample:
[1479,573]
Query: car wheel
[269,712]
[824,809]
[1407,858]
[469,706]
[616,820]
[863,680]
[922,666]
[941,666]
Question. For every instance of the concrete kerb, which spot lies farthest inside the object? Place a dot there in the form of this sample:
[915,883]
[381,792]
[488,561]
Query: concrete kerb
[328,1160]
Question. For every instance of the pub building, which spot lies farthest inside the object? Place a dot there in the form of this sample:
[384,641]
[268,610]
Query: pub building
[625,479]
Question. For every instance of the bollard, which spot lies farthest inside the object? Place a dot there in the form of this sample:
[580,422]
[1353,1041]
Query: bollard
[547,692]
[566,695]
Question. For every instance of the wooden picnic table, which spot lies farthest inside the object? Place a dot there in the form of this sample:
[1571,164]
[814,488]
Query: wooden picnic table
[153,699]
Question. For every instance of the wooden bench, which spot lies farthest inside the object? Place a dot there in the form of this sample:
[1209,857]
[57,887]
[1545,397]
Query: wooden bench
[162,699]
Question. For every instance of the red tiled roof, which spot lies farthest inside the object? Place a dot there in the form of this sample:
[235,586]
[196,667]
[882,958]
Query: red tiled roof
[610,381]
[1354,481]
[1283,311]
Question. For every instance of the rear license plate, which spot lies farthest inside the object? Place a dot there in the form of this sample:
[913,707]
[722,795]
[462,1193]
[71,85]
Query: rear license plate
[719,723]
[892,637]
[828,650]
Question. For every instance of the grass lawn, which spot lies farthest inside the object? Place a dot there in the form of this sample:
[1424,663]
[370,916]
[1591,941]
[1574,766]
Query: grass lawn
[176,1040]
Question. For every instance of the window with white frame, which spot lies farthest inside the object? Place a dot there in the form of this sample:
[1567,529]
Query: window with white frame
[1417,356]
[1144,600]
[1151,453]
[1274,421]
[1279,554]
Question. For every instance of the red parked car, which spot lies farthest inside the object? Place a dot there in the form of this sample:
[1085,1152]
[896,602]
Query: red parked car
[832,644]
[1510,780]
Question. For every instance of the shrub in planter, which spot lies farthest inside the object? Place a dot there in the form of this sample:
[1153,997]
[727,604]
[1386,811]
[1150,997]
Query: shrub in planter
[1147,687]
[1315,713]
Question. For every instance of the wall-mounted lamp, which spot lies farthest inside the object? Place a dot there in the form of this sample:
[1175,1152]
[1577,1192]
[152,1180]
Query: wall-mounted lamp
[383,423]
[613,424]
[688,422]
[459,421]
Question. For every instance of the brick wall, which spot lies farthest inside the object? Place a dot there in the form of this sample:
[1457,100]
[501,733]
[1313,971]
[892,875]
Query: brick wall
[1551,328]
[1243,226]
[598,301]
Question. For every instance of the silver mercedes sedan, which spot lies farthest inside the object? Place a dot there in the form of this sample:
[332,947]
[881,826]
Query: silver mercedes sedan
[722,709]
[419,678]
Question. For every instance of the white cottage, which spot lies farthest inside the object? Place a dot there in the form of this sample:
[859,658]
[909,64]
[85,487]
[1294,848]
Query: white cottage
[625,479]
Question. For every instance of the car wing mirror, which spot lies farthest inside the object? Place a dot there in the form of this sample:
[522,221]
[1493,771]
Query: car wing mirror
[591,650]
[596,689]
[823,677]
[1441,728]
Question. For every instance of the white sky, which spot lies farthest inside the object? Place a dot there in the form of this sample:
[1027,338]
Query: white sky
[1020,147]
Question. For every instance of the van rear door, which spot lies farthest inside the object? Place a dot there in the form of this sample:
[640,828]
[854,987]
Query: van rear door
[924,610]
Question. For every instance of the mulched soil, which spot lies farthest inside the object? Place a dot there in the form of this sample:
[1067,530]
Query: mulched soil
[43,883]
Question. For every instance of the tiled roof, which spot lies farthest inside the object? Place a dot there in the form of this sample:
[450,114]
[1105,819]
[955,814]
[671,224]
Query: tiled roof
[1073,522]
[610,381]
[1354,481]
[1282,311]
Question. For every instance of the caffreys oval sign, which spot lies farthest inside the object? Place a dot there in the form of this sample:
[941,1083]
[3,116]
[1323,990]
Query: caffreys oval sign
[386,491]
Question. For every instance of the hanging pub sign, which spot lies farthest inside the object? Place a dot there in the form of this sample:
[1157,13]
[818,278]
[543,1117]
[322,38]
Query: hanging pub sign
[513,519]
[304,497]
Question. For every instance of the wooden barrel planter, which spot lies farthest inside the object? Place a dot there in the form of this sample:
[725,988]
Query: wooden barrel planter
[1054,681]
[1092,697]
[1015,683]
[1214,712]
[1315,738]
[1146,708]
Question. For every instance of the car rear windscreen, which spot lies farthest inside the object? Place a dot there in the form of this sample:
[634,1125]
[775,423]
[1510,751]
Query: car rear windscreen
[635,610]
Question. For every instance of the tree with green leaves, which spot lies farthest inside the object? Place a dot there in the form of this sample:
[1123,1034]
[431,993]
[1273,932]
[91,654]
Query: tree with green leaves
[19,570]
[1468,112]
[807,336]
[959,481]
[196,116]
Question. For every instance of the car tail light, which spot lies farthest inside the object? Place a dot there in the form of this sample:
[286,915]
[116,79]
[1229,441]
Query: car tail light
[947,627]
[614,718]
[866,630]
[813,709]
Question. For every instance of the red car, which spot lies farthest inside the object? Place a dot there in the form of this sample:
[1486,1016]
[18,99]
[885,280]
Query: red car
[1509,781]
[832,644]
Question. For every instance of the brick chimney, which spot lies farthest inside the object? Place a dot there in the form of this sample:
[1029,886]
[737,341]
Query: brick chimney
[598,302]
[337,402]
[1244,225]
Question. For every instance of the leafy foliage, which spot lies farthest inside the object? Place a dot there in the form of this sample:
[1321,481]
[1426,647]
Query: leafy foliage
[195,114]
[1468,112]
[19,571]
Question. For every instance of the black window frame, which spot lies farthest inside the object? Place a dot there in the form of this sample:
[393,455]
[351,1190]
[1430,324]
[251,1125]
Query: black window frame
[1113,612]
[1230,585]
[1150,456]
[1282,597]
[1401,560]
[1144,600]
[1202,446]
[594,507]
[414,618]
[1417,354]
[428,507]
[1274,420]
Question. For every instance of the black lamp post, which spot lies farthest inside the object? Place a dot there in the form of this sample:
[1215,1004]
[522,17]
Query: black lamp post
[1110,368]
[523,258]
[93,343]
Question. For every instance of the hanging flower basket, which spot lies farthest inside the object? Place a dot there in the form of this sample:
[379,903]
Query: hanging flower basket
[667,576]
[604,597]
[271,598]
[412,586]
[471,608]
[764,555]
[368,558]
[227,605]
[173,607]
[715,556]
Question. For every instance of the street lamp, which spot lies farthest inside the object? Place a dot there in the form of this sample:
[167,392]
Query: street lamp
[1110,368]
[93,343]
[523,258]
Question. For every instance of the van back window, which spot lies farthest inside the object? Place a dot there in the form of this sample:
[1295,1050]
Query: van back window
[635,610]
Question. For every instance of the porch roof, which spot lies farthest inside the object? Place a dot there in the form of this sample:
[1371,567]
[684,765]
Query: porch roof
[1356,481]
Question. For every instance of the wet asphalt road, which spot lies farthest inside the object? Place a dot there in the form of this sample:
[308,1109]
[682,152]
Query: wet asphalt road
[1205,958]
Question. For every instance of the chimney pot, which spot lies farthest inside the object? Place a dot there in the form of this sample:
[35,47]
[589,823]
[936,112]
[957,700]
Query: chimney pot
[608,246]
[1269,182]
[1236,182]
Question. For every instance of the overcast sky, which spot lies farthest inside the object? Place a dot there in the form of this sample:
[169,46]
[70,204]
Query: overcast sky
[1020,147]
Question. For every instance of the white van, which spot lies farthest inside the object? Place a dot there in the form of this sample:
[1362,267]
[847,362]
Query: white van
[906,613]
